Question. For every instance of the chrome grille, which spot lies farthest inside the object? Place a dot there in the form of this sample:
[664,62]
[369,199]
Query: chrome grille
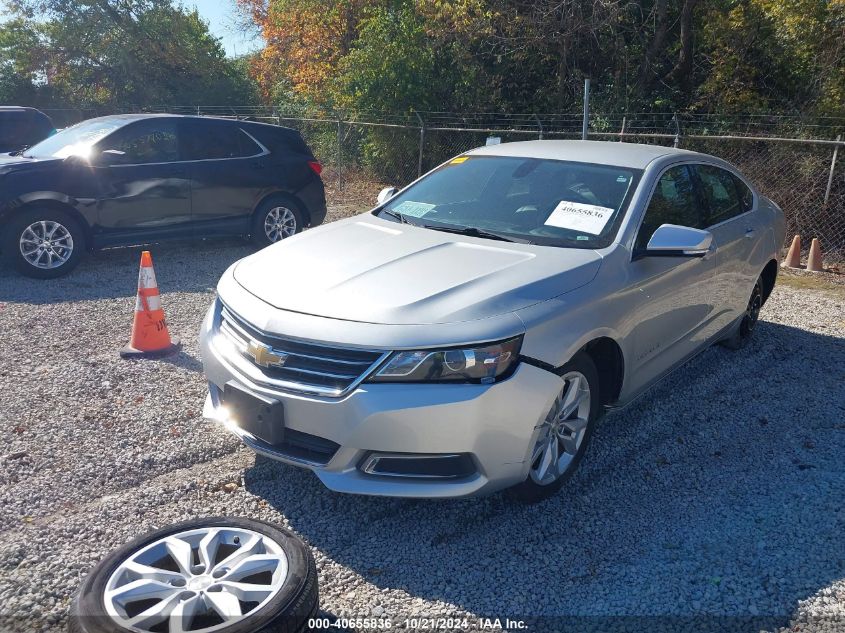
[307,367]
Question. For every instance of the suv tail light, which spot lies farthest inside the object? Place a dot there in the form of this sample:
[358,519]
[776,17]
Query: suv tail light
[315,166]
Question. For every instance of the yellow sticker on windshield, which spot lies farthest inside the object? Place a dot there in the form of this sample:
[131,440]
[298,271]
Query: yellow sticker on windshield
[459,160]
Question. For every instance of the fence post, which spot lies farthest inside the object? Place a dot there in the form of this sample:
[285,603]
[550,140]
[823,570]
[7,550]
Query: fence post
[832,169]
[586,121]
[677,130]
[339,155]
[422,144]
[539,125]
[622,131]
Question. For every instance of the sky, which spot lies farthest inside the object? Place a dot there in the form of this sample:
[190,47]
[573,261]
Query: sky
[221,16]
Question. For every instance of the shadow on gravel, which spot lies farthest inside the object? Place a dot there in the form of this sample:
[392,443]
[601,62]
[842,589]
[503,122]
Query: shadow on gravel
[180,266]
[718,495]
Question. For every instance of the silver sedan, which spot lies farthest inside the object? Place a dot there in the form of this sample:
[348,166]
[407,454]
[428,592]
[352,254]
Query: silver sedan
[465,335]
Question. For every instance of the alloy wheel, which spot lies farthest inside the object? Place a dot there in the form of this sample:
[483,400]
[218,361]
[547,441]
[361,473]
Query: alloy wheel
[200,580]
[279,223]
[46,244]
[563,431]
[752,312]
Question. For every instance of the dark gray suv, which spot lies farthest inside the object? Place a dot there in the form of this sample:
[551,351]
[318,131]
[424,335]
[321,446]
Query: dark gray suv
[130,179]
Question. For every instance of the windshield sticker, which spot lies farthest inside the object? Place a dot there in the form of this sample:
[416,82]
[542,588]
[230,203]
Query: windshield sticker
[575,216]
[459,160]
[413,209]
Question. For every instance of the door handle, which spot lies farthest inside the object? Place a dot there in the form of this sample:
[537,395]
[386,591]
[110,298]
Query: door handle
[749,233]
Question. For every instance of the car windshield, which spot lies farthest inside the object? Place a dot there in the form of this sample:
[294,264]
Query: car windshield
[548,202]
[76,140]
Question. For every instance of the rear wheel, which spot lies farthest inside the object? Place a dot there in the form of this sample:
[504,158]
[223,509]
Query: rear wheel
[749,320]
[44,244]
[276,220]
[563,437]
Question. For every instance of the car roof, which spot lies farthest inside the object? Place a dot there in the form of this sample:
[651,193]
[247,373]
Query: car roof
[632,155]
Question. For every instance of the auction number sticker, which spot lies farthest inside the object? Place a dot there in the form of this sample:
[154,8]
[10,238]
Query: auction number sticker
[584,218]
[413,209]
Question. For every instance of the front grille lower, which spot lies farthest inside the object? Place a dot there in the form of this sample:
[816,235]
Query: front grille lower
[308,367]
[299,446]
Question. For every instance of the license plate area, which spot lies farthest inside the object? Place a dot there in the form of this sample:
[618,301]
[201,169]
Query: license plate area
[258,415]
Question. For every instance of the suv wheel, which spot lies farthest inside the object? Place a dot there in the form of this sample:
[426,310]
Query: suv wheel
[749,319]
[563,437]
[275,220]
[45,244]
[226,575]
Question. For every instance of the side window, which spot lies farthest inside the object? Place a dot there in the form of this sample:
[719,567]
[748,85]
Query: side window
[673,202]
[746,197]
[151,141]
[720,193]
[214,141]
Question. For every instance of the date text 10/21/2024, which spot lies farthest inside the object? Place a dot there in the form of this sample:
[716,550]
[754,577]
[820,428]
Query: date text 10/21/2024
[419,624]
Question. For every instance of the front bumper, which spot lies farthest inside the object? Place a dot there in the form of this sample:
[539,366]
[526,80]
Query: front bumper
[494,426]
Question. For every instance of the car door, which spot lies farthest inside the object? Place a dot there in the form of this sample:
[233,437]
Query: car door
[671,297]
[229,171]
[144,185]
[730,217]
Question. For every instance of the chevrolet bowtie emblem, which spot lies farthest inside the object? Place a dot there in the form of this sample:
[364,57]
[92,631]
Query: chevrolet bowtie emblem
[264,355]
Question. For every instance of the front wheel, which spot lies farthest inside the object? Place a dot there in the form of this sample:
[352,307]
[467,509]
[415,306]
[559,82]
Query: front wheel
[563,437]
[276,220]
[44,244]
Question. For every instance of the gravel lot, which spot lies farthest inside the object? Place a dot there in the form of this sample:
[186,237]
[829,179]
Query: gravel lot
[714,502]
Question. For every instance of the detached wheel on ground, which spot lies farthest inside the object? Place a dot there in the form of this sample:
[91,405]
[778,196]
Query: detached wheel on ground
[221,575]
[44,243]
[563,438]
[749,320]
[275,220]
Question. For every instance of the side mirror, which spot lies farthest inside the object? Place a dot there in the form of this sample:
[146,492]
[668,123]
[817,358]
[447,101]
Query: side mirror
[671,240]
[386,194]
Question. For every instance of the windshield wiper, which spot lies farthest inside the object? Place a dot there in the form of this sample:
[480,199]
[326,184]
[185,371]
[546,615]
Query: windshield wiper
[474,232]
[395,214]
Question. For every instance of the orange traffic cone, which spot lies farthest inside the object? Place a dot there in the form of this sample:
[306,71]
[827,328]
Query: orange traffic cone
[814,259]
[150,338]
[793,257]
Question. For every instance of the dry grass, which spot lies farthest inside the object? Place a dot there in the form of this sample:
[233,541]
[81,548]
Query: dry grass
[831,282]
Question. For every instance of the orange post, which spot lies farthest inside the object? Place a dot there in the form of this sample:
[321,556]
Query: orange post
[814,260]
[793,257]
[150,338]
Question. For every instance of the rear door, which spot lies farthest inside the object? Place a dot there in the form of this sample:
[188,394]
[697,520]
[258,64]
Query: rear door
[228,170]
[144,186]
[730,217]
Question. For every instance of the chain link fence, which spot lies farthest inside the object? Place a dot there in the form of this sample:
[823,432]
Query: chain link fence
[799,164]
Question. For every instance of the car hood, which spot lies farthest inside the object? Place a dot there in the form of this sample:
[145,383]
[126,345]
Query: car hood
[376,271]
[9,164]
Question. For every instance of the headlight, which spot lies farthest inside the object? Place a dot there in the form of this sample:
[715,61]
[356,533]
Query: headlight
[481,364]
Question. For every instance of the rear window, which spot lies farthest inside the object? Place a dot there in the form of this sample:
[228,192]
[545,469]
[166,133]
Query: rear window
[280,139]
[23,128]
[206,140]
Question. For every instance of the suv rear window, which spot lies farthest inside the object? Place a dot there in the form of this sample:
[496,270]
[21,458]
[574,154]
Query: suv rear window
[214,140]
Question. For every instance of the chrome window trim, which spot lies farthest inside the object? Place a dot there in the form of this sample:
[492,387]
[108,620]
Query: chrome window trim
[264,152]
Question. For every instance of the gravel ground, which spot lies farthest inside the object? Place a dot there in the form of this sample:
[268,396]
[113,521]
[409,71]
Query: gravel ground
[714,502]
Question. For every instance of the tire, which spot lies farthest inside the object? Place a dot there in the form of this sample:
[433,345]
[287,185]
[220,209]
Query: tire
[748,323]
[64,236]
[573,435]
[291,599]
[289,220]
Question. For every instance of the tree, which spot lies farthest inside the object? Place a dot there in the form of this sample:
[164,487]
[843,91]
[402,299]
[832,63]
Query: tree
[124,53]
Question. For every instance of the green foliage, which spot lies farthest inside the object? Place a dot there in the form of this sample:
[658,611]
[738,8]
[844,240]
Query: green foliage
[116,54]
